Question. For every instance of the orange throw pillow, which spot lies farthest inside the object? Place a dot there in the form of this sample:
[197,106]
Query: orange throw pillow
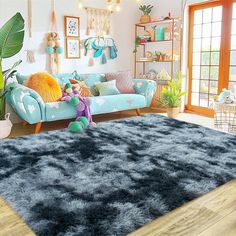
[46,86]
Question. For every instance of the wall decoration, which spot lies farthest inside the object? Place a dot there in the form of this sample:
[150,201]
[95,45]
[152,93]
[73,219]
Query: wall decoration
[72,48]
[99,48]
[98,21]
[30,57]
[72,26]
[54,48]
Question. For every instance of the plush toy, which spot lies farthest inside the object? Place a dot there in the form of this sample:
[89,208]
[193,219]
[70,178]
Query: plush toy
[226,96]
[82,105]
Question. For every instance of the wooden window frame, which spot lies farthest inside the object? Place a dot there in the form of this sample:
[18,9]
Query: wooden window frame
[224,68]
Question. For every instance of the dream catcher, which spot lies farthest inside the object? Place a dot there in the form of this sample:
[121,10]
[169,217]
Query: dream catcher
[54,48]
[98,48]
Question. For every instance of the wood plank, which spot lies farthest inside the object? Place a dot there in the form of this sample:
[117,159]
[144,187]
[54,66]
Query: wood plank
[226,227]
[196,216]
[11,224]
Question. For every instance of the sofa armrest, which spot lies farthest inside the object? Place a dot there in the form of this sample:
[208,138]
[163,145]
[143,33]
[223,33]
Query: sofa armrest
[146,88]
[27,103]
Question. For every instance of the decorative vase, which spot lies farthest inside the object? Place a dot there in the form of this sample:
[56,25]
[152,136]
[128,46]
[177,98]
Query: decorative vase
[160,34]
[172,112]
[145,19]
[5,127]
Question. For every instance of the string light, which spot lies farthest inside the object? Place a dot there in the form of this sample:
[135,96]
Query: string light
[116,4]
[118,8]
[80,4]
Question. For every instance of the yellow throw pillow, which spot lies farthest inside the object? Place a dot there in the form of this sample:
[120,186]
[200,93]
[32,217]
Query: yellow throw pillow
[46,86]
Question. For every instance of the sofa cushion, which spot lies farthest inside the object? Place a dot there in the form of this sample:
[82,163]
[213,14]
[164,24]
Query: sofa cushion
[61,78]
[99,105]
[107,88]
[124,81]
[46,86]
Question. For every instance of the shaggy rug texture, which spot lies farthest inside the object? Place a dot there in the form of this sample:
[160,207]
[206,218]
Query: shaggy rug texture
[114,178]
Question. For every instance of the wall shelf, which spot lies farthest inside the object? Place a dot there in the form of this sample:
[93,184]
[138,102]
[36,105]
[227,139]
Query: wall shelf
[173,42]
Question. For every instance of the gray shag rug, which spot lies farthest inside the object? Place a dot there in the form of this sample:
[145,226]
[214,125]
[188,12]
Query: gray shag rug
[114,178]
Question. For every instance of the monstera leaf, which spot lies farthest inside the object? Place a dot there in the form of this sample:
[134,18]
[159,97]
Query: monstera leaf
[11,40]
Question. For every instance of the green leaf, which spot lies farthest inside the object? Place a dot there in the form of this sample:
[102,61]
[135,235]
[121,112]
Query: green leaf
[11,37]
[1,77]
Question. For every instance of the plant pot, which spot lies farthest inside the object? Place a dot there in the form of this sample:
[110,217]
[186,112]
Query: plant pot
[145,19]
[172,112]
[5,127]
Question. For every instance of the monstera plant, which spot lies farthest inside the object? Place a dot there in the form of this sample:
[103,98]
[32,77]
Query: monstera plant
[11,42]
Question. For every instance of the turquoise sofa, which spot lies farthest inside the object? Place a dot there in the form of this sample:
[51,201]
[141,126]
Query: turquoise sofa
[31,108]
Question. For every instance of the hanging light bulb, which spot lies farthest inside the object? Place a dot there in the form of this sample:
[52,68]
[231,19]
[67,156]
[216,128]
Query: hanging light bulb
[80,4]
[109,5]
[118,8]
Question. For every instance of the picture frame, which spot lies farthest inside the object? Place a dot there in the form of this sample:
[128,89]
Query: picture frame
[72,48]
[72,26]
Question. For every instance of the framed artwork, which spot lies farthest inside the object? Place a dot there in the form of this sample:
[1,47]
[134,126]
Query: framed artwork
[72,26]
[72,48]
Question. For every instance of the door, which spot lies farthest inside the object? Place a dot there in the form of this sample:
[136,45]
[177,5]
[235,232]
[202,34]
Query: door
[232,65]
[205,55]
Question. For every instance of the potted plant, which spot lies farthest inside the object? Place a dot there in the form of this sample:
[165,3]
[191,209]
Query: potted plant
[11,42]
[146,10]
[171,96]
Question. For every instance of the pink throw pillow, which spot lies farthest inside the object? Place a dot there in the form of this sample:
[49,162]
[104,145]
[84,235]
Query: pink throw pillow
[124,81]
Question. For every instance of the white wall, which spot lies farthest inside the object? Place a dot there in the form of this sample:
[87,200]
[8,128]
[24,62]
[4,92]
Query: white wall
[122,25]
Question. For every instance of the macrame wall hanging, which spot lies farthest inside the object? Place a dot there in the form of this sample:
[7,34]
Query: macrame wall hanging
[30,51]
[98,21]
[54,48]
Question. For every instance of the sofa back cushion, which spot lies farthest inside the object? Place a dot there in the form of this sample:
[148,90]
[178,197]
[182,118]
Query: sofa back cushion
[90,79]
[124,81]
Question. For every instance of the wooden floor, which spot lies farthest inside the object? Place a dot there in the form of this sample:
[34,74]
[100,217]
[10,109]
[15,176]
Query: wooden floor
[214,214]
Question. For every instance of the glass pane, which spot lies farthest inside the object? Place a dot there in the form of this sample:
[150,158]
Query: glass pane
[204,86]
[232,75]
[214,74]
[215,58]
[195,85]
[232,86]
[234,11]
[198,17]
[206,30]
[207,15]
[196,58]
[233,42]
[195,99]
[197,45]
[234,27]
[213,87]
[196,72]
[206,44]
[217,14]
[205,58]
[197,31]
[205,72]
[233,58]
[204,100]
[216,29]
[215,43]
